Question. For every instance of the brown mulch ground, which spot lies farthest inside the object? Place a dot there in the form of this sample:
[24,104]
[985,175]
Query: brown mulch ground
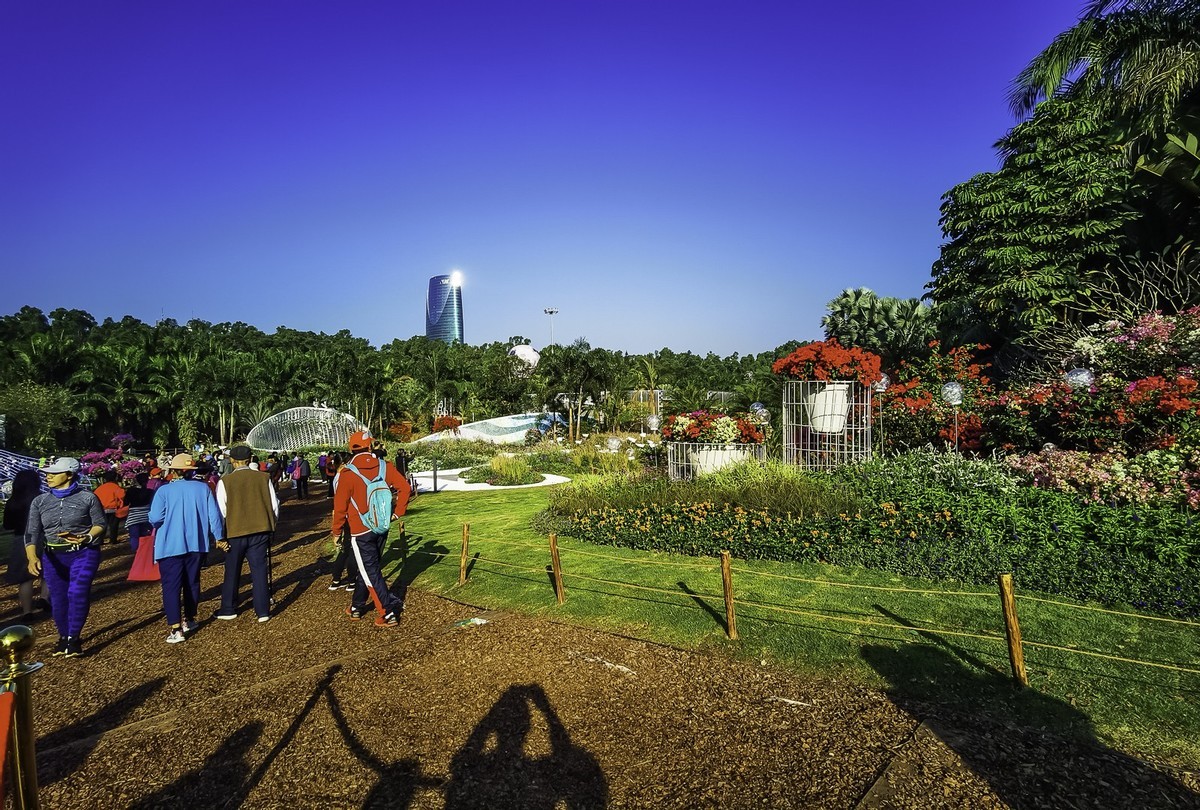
[312,710]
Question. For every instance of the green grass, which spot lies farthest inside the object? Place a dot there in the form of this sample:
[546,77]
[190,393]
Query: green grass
[827,628]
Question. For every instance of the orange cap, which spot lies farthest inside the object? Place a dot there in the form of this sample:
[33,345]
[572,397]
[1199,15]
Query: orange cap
[361,440]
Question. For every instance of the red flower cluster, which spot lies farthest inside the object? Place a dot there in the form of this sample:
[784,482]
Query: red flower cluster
[446,423]
[829,360]
[1168,396]
[699,426]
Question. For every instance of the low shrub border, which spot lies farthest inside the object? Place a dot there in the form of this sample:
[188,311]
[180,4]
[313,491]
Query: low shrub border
[1051,542]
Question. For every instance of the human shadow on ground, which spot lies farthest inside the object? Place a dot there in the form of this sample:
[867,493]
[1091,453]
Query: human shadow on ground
[61,752]
[396,782]
[495,769]
[978,713]
[220,781]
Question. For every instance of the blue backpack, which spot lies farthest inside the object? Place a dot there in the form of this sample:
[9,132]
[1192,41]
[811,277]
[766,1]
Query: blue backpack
[377,517]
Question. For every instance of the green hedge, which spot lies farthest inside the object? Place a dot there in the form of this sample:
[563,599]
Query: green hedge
[957,523]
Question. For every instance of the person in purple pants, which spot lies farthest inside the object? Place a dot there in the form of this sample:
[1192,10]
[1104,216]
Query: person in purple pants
[68,521]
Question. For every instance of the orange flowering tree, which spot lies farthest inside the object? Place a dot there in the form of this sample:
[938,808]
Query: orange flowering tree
[829,360]
[914,411]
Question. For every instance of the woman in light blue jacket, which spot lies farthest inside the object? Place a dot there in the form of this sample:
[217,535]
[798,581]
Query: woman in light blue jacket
[186,515]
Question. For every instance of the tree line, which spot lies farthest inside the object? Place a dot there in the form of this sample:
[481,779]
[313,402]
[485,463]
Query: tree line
[68,381]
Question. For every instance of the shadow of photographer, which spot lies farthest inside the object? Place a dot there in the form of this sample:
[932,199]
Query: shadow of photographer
[498,767]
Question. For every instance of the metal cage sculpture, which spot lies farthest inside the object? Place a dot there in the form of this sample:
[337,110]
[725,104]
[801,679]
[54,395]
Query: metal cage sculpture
[686,460]
[826,424]
[297,428]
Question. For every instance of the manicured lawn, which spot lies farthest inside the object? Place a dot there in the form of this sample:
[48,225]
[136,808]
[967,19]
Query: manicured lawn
[896,633]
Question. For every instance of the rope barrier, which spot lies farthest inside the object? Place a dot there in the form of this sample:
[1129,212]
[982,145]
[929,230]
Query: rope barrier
[867,622]
[855,585]
[842,619]
[1113,612]
[1174,667]
[510,565]
[643,587]
[625,561]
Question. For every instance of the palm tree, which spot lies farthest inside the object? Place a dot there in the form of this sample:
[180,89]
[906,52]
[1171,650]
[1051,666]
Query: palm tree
[1140,57]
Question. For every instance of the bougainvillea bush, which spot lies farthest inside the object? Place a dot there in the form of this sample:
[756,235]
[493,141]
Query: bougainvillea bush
[97,463]
[829,360]
[913,412]
[711,427]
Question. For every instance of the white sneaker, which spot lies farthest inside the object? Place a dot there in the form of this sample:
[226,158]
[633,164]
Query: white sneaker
[264,618]
[176,637]
[225,617]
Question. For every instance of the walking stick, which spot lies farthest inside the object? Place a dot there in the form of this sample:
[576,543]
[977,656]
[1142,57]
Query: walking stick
[270,571]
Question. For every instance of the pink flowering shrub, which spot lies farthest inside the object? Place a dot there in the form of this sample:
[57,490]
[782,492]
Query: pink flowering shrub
[97,463]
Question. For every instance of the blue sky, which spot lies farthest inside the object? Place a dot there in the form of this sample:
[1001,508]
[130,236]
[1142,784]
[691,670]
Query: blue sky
[696,175]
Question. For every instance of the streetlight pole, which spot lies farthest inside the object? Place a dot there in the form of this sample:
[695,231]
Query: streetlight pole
[551,311]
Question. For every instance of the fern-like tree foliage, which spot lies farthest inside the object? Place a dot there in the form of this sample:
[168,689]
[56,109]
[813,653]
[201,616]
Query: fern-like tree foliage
[1022,240]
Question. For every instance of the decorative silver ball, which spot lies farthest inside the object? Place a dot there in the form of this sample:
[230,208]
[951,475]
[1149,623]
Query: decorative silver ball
[952,393]
[1080,378]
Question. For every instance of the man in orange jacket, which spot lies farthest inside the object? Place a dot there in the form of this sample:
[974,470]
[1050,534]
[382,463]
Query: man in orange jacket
[112,498]
[349,504]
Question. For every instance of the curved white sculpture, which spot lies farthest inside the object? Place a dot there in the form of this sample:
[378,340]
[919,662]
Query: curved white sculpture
[303,427]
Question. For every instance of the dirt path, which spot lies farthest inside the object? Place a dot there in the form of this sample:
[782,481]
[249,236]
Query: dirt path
[311,710]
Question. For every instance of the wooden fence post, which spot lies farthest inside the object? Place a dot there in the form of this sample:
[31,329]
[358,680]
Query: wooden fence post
[462,559]
[554,564]
[727,581]
[1012,630]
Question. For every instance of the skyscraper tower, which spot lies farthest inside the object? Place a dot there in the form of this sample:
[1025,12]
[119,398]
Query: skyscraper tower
[443,308]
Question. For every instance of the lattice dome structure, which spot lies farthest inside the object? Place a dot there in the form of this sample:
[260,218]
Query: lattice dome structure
[296,428]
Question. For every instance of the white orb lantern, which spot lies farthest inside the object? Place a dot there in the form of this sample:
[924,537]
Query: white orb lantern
[1080,378]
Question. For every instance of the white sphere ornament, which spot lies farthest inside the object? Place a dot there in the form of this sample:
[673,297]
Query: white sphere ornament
[652,421]
[952,393]
[525,353]
[613,444]
[1080,378]
[882,383]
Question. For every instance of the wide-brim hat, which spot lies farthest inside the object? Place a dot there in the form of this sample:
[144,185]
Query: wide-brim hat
[63,465]
[183,461]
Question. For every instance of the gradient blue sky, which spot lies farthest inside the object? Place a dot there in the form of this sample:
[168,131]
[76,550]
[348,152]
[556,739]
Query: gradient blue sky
[697,175]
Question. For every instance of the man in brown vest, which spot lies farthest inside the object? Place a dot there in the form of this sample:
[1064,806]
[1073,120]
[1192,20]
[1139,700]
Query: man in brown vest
[251,507]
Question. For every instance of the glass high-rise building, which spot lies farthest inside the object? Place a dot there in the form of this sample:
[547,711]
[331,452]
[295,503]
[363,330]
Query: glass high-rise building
[443,308]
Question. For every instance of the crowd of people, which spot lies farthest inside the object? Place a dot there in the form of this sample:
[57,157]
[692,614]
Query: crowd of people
[177,510]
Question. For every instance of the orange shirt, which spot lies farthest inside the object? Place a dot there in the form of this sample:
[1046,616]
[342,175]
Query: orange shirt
[111,495]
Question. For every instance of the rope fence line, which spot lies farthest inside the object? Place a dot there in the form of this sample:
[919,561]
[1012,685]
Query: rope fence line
[754,573]
[626,561]
[1107,610]
[510,565]
[1174,667]
[1012,633]
[868,622]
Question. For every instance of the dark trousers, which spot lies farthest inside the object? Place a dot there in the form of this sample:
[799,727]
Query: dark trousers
[368,555]
[136,532]
[180,578]
[344,561]
[255,548]
[302,486]
[112,528]
[69,576]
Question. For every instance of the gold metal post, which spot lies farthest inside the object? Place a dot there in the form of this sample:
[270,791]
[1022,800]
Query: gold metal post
[15,643]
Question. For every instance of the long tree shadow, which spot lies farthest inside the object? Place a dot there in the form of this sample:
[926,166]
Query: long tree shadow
[61,752]
[495,769]
[1056,762]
